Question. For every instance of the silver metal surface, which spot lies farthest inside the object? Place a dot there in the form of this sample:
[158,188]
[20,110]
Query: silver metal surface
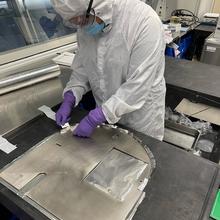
[211,51]
[116,174]
[27,83]
[217,30]
[180,135]
[20,106]
[32,62]
[28,75]
[52,176]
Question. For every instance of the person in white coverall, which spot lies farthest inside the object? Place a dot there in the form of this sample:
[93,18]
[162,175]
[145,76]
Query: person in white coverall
[121,59]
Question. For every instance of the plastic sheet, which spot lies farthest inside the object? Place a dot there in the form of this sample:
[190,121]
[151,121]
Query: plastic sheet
[116,174]
[202,126]
[205,145]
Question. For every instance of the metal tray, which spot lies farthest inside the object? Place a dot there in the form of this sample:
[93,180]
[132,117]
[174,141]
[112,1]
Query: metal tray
[70,178]
[180,135]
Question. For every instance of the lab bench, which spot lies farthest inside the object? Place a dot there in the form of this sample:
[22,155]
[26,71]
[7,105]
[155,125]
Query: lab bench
[194,36]
[197,82]
[193,80]
[195,77]
[183,186]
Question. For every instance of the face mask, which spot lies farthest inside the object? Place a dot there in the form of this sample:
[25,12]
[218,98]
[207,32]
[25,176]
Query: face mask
[94,28]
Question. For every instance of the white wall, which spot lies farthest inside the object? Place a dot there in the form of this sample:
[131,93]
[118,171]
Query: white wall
[204,7]
[187,4]
[216,6]
[199,7]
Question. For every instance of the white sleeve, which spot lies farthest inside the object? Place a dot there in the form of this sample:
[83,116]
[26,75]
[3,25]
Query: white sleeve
[146,56]
[78,82]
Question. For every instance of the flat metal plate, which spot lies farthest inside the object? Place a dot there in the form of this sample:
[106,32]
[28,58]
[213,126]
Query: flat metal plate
[21,106]
[52,175]
[116,174]
[179,139]
[180,135]
[199,111]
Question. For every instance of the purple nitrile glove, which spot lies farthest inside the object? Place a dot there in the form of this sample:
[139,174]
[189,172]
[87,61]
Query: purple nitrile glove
[64,112]
[89,123]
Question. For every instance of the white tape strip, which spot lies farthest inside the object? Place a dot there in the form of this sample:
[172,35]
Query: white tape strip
[51,114]
[48,112]
[5,146]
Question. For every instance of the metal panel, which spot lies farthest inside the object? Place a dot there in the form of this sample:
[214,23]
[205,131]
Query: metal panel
[211,51]
[116,174]
[52,176]
[29,75]
[180,135]
[20,106]
[33,62]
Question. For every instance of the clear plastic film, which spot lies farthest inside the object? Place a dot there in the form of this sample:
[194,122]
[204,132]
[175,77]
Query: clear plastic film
[203,126]
[116,174]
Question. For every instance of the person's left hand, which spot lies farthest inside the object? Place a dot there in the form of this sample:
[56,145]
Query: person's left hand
[89,123]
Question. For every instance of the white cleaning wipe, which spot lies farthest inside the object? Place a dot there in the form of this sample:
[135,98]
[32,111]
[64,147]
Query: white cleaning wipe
[51,114]
[5,146]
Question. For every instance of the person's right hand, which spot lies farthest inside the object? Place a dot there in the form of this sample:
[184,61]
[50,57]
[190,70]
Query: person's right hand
[64,112]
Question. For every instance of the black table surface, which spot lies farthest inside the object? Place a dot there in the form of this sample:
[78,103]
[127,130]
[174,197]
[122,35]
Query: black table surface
[205,27]
[182,187]
[197,77]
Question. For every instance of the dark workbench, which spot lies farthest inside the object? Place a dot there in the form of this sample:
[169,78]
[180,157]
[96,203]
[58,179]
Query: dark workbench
[182,187]
[205,27]
[197,82]
[195,78]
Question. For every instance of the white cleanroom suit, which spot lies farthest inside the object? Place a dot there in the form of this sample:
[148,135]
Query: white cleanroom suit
[124,65]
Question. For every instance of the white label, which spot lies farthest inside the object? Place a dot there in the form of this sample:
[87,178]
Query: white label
[211,49]
[5,146]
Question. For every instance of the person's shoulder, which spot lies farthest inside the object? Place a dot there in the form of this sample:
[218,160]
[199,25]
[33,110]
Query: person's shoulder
[140,7]
[138,20]
[142,12]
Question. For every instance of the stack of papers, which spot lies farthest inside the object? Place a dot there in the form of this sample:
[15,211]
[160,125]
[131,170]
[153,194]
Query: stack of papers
[168,34]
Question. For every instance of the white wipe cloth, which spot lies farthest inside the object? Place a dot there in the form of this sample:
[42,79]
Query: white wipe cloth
[51,114]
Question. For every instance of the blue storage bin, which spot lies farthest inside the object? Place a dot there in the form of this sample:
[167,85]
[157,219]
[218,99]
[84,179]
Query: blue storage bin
[13,218]
[184,46]
[169,52]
